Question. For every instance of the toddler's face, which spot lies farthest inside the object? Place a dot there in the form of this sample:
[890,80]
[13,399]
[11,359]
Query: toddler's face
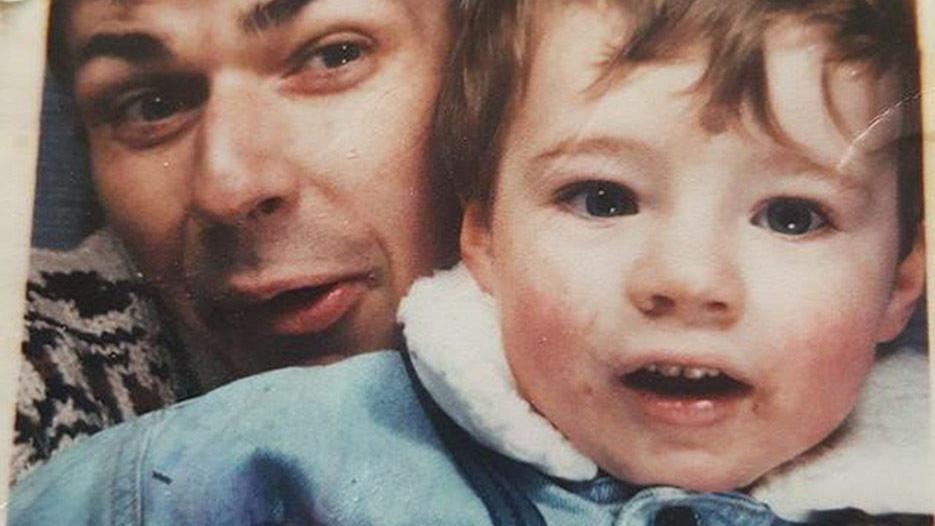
[691,308]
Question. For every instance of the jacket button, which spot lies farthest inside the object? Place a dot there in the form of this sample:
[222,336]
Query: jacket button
[676,516]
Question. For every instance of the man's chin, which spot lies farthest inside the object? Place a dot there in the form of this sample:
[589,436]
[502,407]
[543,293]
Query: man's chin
[225,348]
[302,350]
[252,353]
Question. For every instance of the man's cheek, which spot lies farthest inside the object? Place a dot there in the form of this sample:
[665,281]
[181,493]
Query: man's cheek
[150,213]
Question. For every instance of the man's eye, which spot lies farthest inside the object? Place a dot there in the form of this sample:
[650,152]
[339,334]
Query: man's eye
[343,61]
[791,216]
[601,199]
[150,115]
[334,56]
[338,55]
[151,107]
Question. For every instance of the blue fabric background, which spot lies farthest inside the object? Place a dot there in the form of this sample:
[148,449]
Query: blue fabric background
[65,208]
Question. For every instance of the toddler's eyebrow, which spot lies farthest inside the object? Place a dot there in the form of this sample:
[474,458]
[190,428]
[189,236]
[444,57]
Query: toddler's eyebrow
[598,146]
[779,161]
[791,161]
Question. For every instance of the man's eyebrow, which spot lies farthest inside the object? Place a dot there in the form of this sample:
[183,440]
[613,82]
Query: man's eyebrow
[271,14]
[131,47]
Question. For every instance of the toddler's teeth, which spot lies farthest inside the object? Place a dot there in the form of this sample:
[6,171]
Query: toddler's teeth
[672,371]
[694,373]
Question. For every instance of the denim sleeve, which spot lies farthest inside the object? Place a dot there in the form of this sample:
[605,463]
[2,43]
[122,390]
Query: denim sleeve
[95,482]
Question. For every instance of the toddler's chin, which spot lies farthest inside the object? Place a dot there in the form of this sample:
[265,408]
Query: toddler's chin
[700,478]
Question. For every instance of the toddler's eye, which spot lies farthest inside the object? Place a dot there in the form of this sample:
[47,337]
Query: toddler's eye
[791,216]
[601,199]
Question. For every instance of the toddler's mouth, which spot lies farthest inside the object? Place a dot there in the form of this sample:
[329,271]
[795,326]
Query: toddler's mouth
[685,382]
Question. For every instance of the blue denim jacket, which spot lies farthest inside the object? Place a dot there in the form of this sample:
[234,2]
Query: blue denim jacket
[357,443]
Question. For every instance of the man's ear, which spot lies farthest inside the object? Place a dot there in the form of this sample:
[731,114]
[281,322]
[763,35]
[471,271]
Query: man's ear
[908,285]
[476,244]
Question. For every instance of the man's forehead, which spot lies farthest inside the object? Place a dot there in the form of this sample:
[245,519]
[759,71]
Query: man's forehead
[243,10]
[250,16]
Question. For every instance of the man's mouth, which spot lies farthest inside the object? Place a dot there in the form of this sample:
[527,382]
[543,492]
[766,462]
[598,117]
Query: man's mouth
[296,299]
[684,382]
[299,311]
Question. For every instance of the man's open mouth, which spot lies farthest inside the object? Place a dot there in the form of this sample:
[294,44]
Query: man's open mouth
[684,382]
[299,311]
[296,299]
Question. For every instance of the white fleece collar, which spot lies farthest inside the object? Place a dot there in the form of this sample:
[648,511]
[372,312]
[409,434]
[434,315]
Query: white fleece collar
[878,462]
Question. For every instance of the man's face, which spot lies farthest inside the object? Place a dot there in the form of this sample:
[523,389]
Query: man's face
[265,162]
[691,308]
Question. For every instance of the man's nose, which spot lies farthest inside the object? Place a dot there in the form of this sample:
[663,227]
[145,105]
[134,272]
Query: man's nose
[242,172]
[687,276]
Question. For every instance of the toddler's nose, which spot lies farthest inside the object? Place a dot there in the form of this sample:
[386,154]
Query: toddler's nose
[693,281]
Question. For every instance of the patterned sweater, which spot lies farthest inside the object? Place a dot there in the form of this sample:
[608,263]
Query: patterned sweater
[97,351]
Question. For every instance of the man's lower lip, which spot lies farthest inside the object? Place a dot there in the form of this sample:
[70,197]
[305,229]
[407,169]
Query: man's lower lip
[685,410]
[314,315]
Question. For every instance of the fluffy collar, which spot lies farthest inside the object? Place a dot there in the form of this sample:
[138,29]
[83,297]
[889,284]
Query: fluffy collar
[876,462]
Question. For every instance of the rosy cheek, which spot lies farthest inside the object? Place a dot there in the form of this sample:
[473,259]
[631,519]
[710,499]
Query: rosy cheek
[839,344]
[542,335]
[532,322]
[820,372]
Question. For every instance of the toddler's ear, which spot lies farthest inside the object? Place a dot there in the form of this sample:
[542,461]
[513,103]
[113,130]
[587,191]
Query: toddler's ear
[908,286]
[476,246]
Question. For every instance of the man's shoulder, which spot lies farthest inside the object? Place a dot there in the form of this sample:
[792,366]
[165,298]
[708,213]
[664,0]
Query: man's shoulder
[353,384]
[334,432]
[368,395]
[350,440]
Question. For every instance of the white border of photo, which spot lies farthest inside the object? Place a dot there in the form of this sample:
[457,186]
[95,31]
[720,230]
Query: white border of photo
[23,24]
[926,24]
[22,60]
